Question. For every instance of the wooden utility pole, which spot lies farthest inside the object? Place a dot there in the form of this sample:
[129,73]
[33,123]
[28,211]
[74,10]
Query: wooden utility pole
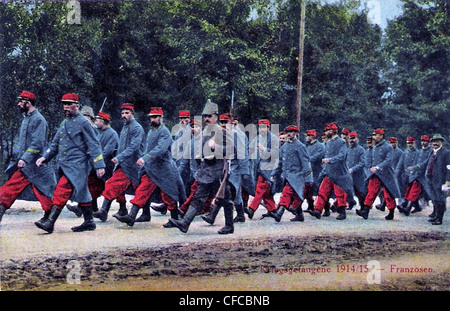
[300,62]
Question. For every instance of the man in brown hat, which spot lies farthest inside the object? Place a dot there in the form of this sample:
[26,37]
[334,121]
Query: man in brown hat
[22,169]
[212,167]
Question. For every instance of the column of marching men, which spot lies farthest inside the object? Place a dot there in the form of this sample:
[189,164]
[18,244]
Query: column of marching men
[202,170]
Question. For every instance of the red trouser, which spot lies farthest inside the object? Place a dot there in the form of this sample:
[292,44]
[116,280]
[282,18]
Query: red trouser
[145,190]
[263,192]
[63,192]
[95,185]
[413,191]
[372,193]
[308,192]
[186,203]
[11,190]
[116,186]
[325,189]
[289,196]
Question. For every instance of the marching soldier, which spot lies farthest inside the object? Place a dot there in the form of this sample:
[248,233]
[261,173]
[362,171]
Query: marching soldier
[157,171]
[382,176]
[404,171]
[130,149]
[212,168]
[76,144]
[23,170]
[345,135]
[355,163]
[336,176]
[415,170]
[266,147]
[419,172]
[295,168]
[397,155]
[316,151]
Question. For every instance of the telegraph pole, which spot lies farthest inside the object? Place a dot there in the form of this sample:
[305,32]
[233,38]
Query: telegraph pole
[300,63]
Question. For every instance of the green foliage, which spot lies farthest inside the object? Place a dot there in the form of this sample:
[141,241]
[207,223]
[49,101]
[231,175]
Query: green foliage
[178,54]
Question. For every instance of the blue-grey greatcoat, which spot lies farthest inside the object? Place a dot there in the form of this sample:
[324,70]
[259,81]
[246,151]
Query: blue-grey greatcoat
[109,141]
[240,166]
[368,162]
[420,166]
[337,169]
[382,155]
[131,147]
[316,153]
[160,165]
[264,162]
[404,177]
[30,146]
[180,142]
[76,145]
[294,166]
[355,162]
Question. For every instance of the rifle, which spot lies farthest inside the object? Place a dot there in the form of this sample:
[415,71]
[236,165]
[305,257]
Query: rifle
[104,101]
[223,184]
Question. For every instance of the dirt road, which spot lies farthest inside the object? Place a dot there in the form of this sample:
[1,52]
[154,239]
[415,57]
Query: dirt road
[261,254]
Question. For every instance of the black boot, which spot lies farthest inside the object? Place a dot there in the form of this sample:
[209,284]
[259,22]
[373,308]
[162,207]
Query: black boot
[440,211]
[131,217]
[278,213]
[416,206]
[102,214]
[174,214]
[228,213]
[407,210]
[49,224]
[88,223]
[2,212]
[75,209]
[381,206]
[342,215]
[298,214]
[315,213]
[240,217]
[45,217]
[310,205]
[184,223]
[159,207]
[326,212]
[211,217]
[363,212]
[250,212]
[94,206]
[390,216]
[146,215]
[122,209]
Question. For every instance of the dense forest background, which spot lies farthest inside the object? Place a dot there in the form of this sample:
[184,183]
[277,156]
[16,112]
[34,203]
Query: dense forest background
[179,54]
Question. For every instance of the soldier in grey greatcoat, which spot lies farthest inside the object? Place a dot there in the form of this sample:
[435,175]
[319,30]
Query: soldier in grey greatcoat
[130,149]
[336,176]
[295,170]
[403,170]
[76,144]
[22,169]
[355,163]
[316,151]
[157,171]
[382,176]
